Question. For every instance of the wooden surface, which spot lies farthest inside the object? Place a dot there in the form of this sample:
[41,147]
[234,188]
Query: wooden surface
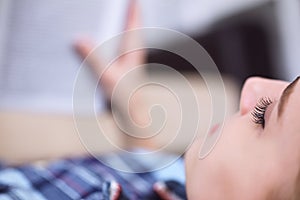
[27,137]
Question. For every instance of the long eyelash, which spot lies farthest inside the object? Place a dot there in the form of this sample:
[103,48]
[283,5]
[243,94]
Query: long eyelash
[258,114]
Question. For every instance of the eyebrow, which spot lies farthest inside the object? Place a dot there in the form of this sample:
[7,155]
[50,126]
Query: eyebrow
[285,96]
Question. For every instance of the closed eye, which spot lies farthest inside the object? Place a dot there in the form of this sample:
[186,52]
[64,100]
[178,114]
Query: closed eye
[258,113]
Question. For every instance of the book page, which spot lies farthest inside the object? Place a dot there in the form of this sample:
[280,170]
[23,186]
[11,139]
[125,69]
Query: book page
[38,64]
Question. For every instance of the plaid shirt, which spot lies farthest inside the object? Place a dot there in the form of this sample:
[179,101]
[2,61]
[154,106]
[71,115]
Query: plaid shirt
[81,178]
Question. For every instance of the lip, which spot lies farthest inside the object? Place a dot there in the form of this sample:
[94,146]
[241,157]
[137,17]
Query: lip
[214,129]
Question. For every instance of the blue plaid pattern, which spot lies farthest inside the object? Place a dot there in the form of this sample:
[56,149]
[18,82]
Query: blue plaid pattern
[76,178]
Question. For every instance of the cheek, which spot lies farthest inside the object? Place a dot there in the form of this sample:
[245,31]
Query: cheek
[200,183]
[229,168]
[286,144]
[199,173]
[206,176]
[191,159]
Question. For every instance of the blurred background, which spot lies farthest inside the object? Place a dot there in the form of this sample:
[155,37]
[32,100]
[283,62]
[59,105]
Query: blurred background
[38,65]
[244,37]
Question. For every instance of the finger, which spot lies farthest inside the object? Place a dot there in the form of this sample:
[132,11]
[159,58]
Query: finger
[111,190]
[161,189]
[133,16]
[84,48]
[115,191]
[132,40]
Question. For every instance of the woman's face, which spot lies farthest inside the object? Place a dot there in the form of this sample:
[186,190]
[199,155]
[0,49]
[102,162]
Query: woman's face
[252,160]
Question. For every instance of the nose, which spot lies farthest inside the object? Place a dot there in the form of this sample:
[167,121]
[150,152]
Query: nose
[250,92]
[256,88]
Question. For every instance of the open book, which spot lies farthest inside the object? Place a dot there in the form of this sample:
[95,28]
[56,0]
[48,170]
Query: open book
[38,64]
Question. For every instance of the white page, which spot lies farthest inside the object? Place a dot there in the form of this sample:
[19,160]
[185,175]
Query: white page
[38,65]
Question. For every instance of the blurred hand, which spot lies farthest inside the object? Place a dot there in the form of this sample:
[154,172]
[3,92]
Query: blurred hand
[122,65]
[111,76]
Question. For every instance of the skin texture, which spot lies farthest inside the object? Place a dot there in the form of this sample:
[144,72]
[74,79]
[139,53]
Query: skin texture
[249,161]
[117,71]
